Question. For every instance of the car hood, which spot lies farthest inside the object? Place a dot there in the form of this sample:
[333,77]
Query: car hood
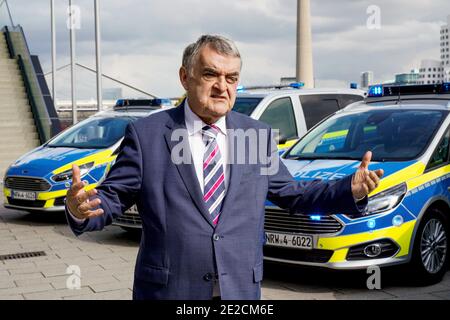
[394,172]
[336,169]
[43,160]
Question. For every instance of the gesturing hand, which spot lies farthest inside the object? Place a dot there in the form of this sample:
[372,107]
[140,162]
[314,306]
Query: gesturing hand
[77,198]
[365,181]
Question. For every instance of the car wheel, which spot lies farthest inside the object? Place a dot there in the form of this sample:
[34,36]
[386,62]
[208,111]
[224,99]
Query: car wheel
[431,248]
[133,231]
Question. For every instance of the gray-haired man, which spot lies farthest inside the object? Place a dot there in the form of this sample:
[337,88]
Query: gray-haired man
[203,219]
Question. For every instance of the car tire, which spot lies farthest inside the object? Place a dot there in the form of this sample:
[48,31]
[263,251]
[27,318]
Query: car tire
[132,231]
[430,258]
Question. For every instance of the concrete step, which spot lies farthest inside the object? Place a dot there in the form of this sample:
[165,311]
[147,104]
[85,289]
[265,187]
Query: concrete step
[14,83]
[28,132]
[24,139]
[13,101]
[11,76]
[12,96]
[15,109]
[12,89]
[21,104]
[8,123]
[19,143]
[15,115]
[11,84]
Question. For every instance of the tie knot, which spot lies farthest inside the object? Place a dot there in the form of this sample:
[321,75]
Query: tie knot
[210,132]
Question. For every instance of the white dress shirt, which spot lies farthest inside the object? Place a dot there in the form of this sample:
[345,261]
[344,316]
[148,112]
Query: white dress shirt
[194,127]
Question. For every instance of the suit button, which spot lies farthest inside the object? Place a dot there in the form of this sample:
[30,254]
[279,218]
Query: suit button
[208,277]
[216,237]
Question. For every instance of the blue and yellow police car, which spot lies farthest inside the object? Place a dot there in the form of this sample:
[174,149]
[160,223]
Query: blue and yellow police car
[38,180]
[407,220]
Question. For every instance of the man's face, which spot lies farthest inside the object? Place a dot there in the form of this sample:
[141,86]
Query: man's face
[211,88]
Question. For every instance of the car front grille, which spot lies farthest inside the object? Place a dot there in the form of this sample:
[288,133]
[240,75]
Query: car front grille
[129,218]
[298,255]
[26,203]
[27,184]
[278,220]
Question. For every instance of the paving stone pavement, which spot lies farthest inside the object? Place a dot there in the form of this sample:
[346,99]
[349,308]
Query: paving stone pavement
[106,260]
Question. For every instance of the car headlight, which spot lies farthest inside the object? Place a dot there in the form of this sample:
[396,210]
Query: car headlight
[386,200]
[67,175]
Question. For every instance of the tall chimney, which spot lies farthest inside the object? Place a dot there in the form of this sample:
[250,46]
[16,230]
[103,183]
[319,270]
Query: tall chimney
[304,71]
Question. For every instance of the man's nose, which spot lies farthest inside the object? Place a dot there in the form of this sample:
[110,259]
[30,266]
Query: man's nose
[221,84]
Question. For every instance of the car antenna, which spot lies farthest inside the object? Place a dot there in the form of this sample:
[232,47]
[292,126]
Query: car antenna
[399,100]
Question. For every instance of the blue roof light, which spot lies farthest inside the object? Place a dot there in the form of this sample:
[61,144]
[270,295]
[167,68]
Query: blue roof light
[376,91]
[297,85]
[353,85]
[446,87]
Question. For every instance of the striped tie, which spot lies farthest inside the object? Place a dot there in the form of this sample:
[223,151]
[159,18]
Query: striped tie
[213,175]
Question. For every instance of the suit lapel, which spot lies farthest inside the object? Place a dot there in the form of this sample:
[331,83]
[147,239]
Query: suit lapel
[186,170]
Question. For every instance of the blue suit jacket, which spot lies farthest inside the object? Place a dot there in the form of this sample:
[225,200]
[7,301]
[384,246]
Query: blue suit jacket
[180,247]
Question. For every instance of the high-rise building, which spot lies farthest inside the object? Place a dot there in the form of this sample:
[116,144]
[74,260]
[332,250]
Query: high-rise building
[445,50]
[305,71]
[430,72]
[407,78]
[366,79]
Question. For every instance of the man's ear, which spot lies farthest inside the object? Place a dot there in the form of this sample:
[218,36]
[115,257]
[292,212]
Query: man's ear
[183,77]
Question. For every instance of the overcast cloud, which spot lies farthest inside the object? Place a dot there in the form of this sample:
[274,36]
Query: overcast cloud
[142,40]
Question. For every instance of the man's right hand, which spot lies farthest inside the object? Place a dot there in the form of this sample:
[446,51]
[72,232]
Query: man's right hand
[77,198]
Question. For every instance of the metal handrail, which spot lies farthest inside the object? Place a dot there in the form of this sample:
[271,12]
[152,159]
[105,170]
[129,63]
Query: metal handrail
[9,44]
[105,76]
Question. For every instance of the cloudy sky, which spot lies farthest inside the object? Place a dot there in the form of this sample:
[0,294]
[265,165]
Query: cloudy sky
[143,40]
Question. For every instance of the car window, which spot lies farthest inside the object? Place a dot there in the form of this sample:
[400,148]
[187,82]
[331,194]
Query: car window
[92,133]
[440,155]
[346,99]
[246,105]
[279,114]
[317,107]
[394,135]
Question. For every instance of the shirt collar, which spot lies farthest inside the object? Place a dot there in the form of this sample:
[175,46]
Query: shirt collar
[194,124]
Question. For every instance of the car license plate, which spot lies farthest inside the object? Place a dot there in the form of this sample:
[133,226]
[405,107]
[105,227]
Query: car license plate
[289,240]
[23,195]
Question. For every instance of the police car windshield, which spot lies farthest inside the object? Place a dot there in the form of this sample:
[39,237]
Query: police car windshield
[93,133]
[391,135]
[246,105]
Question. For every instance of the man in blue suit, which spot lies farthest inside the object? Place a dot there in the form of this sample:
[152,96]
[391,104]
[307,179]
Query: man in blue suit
[200,198]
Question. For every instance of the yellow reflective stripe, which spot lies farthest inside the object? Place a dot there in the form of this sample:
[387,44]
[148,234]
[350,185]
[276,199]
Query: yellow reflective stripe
[60,193]
[335,134]
[424,178]
[98,158]
[340,244]
[287,144]
[400,176]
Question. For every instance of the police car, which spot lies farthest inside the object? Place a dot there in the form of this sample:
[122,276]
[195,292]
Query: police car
[289,108]
[38,181]
[407,220]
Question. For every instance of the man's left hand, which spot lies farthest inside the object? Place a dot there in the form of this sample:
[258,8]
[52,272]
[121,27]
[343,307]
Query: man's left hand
[365,181]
